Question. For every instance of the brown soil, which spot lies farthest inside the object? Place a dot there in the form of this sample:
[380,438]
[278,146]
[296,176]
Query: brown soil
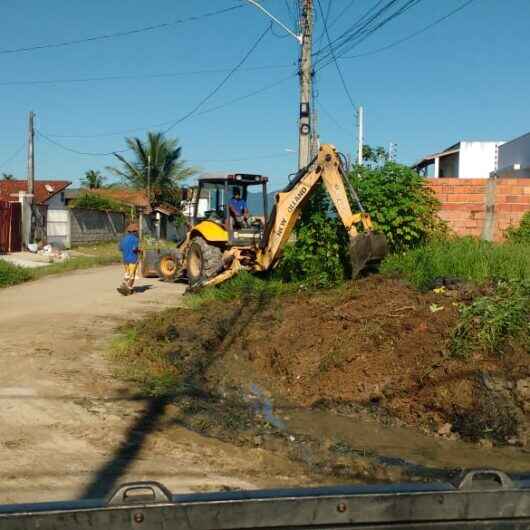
[376,343]
[350,371]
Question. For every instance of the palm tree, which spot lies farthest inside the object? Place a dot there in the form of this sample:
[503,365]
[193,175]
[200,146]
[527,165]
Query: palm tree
[157,166]
[93,180]
[8,176]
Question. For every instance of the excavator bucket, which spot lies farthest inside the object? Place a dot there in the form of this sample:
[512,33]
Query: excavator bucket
[366,249]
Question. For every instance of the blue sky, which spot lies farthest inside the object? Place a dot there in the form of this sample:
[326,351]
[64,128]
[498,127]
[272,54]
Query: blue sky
[466,78]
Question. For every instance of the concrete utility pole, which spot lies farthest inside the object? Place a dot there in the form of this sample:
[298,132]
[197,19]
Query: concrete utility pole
[360,135]
[306,79]
[31,154]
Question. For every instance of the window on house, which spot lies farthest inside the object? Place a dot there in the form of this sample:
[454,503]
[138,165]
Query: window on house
[62,196]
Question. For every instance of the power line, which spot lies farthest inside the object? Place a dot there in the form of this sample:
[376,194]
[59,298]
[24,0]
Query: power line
[145,76]
[12,157]
[332,118]
[117,34]
[205,111]
[368,24]
[412,35]
[182,118]
[339,71]
[223,82]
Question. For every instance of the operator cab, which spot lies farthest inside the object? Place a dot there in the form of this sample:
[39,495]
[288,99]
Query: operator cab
[212,199]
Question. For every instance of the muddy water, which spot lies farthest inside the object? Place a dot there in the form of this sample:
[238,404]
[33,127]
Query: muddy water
[371,438]
[390,445]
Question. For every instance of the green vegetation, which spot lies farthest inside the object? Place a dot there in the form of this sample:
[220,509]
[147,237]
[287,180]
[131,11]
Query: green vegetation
[319,257]
[93,179]
[84,257]
[244,285]
[400,204]
[520,234]
[464,258]
[12,274]
[490,322]
[93,201]
[157,165]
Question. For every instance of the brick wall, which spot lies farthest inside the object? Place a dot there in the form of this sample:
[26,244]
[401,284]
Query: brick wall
[482,207]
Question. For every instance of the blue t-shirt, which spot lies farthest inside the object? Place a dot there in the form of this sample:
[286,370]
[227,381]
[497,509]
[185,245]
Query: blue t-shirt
[239,205]
[128,246]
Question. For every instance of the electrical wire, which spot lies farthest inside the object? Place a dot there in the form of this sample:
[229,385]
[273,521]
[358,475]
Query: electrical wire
[146,76]
[369,23]
[339,71]
[173,123]
[205,111]
[412,35]
[12,157]
[332,118]
[119,33]
[259,157]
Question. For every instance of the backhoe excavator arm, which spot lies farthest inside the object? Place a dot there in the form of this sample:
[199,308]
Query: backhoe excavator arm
[289,203]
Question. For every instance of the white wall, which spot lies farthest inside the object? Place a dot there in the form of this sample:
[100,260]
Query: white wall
[58,228]
[56,202]
[187,208]
[477,159]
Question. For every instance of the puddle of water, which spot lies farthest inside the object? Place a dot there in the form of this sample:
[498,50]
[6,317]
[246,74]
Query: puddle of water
[264,406]
[402,446]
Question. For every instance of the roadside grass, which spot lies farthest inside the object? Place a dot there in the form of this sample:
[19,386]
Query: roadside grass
[13,274]
[489,323]
[244,285]
[83,257]
[465,259]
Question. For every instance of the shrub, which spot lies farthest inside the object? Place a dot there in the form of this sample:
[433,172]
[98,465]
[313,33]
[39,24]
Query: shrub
[489,322]
[93,201]
[464,258]
[400,204]
[319,255]
[12,274]
[520,234]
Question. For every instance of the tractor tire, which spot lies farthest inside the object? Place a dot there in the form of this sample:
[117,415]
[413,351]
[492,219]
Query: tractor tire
[203,261]
[168,267]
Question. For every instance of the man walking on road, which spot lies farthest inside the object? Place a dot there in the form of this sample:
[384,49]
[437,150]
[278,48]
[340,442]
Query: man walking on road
[130,251]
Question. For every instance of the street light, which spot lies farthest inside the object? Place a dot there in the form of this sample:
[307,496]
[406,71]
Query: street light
[271,16]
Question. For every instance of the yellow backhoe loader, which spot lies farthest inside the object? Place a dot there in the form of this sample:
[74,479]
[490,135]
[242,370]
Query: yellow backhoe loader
[218,245]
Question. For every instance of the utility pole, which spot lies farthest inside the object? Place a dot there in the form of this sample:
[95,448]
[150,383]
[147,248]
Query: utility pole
[31,155]
[360,135]
[306,74]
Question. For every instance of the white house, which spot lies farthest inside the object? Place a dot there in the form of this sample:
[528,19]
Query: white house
[465,159]
[514,158]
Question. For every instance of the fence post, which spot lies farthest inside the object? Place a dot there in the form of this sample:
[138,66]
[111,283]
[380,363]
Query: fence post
[489,221]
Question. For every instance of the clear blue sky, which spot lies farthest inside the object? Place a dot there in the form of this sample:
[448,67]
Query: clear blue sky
[466,78]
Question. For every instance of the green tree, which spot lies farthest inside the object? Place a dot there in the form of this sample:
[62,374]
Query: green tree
[93,179]
[399,202]
[8,176]
[156,164]
[395,196]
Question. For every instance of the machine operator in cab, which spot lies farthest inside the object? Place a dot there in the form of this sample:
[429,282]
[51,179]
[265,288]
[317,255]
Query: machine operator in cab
[238,209]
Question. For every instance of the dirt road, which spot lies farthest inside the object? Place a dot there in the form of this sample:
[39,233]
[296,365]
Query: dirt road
[69,429]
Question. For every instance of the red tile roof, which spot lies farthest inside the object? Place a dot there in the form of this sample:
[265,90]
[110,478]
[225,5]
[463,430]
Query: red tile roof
[44,189]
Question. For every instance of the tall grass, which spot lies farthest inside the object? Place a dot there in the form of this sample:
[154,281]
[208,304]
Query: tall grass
[12,274]
[464,258]
[244,285]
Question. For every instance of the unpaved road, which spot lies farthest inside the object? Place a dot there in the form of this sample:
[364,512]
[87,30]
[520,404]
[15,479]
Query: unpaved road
[69,428]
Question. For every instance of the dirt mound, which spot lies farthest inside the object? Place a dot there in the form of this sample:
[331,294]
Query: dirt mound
[372,346]
[378,344]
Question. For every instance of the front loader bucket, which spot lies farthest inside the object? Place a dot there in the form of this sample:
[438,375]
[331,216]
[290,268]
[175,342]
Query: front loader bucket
[366,249]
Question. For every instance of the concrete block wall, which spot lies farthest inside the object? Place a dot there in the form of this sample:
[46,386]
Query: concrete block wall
[93,226]
[482,207]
